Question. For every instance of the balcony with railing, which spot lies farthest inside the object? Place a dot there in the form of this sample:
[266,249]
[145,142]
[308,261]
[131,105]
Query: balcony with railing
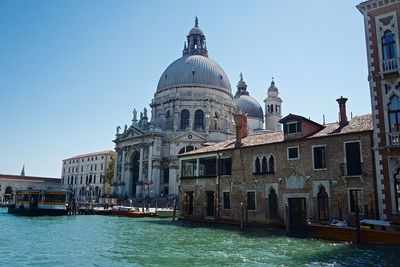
[351,169]
[390,65]
[394,138]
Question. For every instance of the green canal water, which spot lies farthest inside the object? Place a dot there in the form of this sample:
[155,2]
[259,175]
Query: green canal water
[118,241]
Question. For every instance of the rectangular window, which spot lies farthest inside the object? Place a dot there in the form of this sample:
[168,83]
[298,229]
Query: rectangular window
[293,152]
[227,200]
[102,166]
[166,176]
[353,158]
[225,167]
[292,127]
[189,168]
[81,179]
[319,157]
[82,169]
[208,166]
[94,178]
[251,200]
[95,166]
[355,200]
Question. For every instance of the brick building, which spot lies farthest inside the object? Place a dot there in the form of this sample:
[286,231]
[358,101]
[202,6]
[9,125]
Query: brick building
[308,171]
[381,20]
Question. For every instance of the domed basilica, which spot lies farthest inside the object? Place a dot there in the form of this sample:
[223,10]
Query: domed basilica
[193,105]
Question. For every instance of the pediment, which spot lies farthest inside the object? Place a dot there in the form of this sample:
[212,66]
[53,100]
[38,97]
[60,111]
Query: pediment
[132,131]
[189,136]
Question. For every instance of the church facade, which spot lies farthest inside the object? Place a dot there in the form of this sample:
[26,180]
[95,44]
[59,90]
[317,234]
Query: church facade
[193,105]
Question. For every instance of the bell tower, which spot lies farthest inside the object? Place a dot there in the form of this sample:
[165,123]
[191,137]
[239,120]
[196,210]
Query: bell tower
[273,112]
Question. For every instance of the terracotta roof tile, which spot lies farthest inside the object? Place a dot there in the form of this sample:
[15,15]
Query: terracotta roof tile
[109,152]
[30,178]
[361,123]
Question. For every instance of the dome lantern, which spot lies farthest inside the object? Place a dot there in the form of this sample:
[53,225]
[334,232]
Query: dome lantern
[196,41]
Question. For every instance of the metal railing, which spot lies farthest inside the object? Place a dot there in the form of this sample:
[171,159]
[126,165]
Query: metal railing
[351,169]
[390,65]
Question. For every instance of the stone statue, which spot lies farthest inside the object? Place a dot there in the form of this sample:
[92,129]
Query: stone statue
[118,128]
[134,114]
[141,115]
[145,112]
[125,128]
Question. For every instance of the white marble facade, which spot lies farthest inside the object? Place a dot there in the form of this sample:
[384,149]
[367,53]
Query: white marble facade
[193,105]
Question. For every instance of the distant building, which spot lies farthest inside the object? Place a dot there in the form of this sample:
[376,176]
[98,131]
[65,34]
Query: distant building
[83,174]
[193,104]
[382,33]
[309,171]
[10,183]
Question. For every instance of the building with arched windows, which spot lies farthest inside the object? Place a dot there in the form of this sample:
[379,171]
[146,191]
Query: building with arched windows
[193,105]
[382,32]
[308,172]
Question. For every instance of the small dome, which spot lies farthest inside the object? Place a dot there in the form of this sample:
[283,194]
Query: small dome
[194,70]
[196,30]
[273,90]
[249,105]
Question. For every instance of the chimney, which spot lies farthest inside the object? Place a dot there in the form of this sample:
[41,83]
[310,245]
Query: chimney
[342,111]
[241,128]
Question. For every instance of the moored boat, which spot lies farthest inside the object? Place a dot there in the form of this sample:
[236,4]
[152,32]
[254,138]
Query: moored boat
[40,202]
[370,232]
[130,212]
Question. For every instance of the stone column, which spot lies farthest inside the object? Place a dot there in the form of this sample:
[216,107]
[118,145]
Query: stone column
[138,187]
[150,163]
[114,179]
[123,171]
[156,178]
[173,172]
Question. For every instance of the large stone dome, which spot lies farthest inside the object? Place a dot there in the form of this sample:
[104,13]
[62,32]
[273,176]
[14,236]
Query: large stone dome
[194,71]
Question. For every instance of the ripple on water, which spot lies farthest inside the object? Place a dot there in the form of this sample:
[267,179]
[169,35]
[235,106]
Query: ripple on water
[118,241]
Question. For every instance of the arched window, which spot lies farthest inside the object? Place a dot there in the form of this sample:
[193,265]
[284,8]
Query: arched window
[257,168]
[271,164]
[394,113]
[388,45]
[264,165]
[397,191]
[185,119]
[199,120]
[8,194]
[323,204]
[273,204]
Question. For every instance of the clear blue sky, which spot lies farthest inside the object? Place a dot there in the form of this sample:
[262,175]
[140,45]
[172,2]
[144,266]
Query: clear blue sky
[71,71]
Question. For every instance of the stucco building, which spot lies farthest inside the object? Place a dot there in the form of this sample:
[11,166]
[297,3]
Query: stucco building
[381,21]
[308,171]
[83,174]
